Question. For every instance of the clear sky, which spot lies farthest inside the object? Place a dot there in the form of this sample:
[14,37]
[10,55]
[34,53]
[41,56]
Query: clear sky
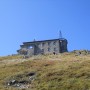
[26,20]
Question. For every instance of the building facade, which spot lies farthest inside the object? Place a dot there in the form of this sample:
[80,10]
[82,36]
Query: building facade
[43,47]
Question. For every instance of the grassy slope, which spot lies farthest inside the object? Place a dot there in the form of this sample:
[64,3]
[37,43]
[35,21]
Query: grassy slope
[53,72]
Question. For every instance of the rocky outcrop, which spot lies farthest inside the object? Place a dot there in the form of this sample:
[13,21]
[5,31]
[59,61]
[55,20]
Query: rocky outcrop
[22,81]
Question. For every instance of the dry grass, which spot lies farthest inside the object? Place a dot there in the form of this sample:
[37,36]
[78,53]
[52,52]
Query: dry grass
[53,72]
[10,57]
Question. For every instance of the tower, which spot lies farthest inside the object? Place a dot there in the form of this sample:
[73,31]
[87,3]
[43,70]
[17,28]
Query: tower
[60,34]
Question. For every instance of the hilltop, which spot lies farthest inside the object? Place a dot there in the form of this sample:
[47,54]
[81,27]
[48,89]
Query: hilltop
[67,71]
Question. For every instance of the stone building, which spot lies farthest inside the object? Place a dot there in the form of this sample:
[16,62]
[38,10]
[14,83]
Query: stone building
[43,47]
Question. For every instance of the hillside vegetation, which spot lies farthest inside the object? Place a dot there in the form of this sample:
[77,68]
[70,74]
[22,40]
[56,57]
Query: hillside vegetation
[67,71]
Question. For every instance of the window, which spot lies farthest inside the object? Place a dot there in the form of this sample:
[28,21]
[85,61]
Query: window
[54,43]
[49,49]
[38,44]
[42,50]
[48,43]
[30,47]
[43,44]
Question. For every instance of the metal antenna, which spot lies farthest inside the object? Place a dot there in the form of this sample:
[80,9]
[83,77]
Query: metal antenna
[60,34]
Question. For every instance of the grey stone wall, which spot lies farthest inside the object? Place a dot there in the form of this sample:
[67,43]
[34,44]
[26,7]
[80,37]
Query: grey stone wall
[48,47]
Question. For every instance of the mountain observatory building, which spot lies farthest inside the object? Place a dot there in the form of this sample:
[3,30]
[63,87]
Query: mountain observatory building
[43,47]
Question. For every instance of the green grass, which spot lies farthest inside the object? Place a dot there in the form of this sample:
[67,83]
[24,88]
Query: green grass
[53,72]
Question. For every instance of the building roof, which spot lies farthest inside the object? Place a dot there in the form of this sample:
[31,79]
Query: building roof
[44,40]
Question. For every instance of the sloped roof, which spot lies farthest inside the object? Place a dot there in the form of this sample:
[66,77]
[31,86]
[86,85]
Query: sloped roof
[44,40]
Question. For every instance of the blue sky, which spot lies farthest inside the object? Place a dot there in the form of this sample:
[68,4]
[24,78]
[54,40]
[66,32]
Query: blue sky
[26,20]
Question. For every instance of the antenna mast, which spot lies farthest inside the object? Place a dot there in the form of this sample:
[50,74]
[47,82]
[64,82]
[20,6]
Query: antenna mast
[60,34]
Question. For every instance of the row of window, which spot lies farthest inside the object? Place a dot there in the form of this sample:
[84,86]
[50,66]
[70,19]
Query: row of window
[54,43]
[49,49]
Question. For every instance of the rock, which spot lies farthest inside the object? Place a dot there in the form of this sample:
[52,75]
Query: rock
[12,82]
[17,85]
[23,86]
[31,78]
[8,84]
[31,74]
[23,80]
